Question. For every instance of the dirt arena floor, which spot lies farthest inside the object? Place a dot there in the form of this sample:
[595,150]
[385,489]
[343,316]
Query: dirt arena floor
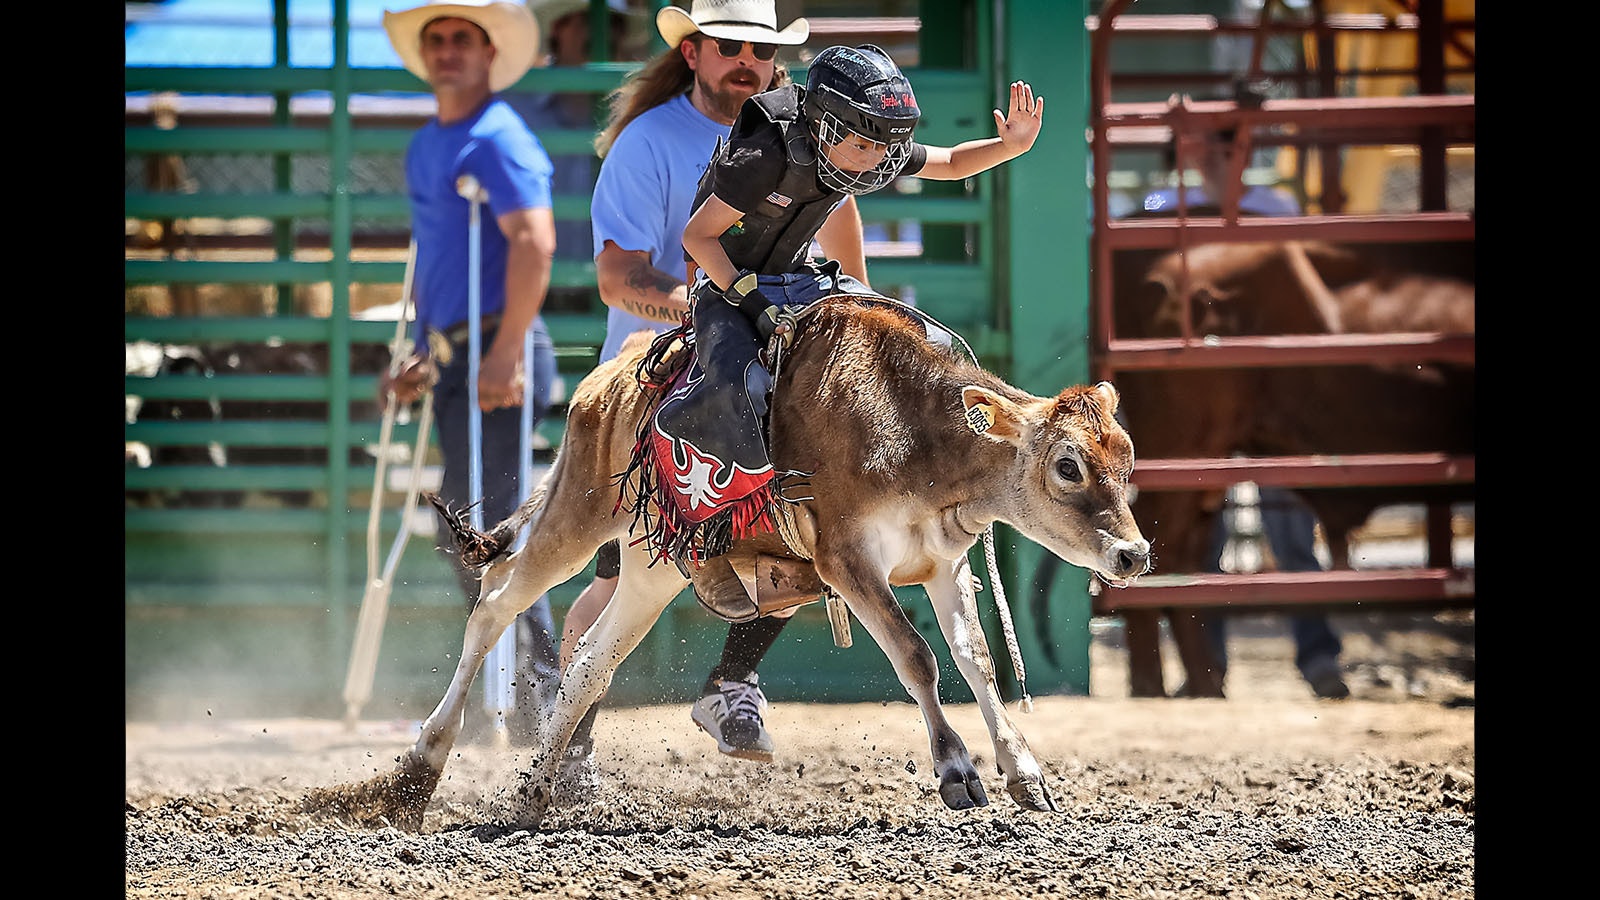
[1268,794]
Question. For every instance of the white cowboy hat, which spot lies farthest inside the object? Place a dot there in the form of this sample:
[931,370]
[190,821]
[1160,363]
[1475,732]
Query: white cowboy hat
[740,20]
[512,30]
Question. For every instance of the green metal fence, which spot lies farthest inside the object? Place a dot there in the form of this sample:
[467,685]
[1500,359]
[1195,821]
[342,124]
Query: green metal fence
[243,579]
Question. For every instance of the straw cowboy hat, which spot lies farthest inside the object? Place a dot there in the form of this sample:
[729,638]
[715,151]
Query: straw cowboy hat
[740,20]
[512,30]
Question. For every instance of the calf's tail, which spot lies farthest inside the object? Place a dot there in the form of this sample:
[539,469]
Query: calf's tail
[476,548]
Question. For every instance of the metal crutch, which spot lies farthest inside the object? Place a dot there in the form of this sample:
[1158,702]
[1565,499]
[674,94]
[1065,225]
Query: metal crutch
[375,601]
[499,688]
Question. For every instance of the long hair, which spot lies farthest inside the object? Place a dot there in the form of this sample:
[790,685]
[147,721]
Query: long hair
[664,76]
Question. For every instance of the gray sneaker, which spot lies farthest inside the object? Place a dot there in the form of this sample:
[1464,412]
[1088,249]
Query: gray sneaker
[733,717]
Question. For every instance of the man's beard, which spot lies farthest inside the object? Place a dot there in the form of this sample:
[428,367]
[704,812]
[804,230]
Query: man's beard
[727,100]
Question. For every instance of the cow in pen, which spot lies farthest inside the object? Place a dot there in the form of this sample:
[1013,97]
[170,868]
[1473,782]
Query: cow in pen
[910,454]
[1287,288]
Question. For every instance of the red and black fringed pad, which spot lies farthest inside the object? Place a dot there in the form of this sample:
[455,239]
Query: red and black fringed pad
[703,476]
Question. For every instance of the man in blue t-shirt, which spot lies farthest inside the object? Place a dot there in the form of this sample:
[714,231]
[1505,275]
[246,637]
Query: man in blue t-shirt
[467,51]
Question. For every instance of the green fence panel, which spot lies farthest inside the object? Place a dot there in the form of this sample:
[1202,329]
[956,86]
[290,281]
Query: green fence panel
[245,553]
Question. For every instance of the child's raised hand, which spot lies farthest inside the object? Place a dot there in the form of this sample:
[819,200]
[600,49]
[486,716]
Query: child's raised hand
[1020,129]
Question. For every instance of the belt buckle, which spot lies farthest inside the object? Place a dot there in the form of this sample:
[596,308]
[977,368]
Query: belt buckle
[439,347]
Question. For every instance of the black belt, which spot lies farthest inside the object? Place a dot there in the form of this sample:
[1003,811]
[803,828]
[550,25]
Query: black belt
[462,330]
[441,344]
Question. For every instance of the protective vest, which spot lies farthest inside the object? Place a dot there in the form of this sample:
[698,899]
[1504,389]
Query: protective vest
[773,238]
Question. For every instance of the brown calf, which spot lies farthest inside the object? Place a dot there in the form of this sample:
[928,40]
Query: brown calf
[914,455]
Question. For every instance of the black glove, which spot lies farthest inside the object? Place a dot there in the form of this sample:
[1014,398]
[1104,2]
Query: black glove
[744,294]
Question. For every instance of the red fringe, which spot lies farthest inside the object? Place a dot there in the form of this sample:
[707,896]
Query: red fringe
[666,532]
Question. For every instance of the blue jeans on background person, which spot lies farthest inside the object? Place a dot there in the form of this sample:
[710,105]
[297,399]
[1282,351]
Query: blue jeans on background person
[502,467]
[1289,527]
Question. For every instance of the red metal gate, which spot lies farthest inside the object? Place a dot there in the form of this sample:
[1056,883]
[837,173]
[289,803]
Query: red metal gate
[1322,122]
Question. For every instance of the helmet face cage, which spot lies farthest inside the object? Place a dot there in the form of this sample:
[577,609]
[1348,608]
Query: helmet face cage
[830,131]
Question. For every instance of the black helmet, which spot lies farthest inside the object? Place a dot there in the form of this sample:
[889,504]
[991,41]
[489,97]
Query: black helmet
[860,89]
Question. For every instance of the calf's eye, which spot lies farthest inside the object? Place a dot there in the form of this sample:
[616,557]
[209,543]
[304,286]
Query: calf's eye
[1067,467]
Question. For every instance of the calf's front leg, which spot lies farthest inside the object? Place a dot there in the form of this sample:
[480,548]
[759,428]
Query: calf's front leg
[642,593]
[866,591]
[957,610]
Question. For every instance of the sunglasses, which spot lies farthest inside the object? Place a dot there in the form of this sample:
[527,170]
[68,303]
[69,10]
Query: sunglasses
[731,49]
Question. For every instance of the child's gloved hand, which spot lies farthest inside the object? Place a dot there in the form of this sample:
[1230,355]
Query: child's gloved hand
[776,321]
[744,294]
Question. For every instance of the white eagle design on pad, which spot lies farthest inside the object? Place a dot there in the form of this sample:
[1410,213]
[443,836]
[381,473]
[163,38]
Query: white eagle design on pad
[695,481]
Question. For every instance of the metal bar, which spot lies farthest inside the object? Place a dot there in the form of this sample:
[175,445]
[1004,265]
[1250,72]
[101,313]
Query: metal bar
[1330,197]
[1137,137]
[1454,587]
[1329,470]
[1212,352]
[229,478]
[254,138]
[1430,80]
[1100,318]
[341,224]
[1146,234]
[566,329]
[1181,25]
[256,433]
[1166,80]
[1349,112]
[228,387]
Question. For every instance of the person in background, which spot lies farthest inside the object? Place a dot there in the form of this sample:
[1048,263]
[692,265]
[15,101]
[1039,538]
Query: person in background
[1287,523]
[567,43]
[665,121]
[467,51]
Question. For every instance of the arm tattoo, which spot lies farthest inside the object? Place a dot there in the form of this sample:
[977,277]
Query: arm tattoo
[646,281]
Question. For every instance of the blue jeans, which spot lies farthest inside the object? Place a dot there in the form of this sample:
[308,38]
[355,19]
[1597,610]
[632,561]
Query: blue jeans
[814,282]
[1290,529]
[804,286]
[502,468]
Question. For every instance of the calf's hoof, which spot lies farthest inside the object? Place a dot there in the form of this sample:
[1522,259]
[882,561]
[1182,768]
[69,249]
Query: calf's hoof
[1032,795]
[962,789]
[533,797]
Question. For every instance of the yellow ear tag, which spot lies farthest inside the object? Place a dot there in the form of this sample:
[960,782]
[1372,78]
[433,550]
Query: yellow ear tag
[980,417]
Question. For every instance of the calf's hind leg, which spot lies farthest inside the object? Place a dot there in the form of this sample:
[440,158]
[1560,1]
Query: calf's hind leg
[643,591]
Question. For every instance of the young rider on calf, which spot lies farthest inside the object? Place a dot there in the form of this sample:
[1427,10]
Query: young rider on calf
[795,154]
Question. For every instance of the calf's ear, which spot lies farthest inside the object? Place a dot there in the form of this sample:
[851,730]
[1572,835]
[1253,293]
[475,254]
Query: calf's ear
[993,416]
[1108,397]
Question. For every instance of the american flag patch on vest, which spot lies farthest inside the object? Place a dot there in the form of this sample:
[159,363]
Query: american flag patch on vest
[779,199]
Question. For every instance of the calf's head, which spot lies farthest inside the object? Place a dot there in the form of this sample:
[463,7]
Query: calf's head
[1068,489]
